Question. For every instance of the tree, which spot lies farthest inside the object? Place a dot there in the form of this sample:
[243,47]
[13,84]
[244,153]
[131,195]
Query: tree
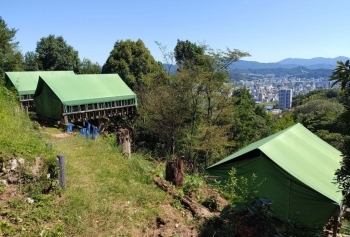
[250,121]
[341,75]
[190,111]
[11,58]
[55,54]
[87,67]
[133,62]
[31,62]
[186,52]
[321,115]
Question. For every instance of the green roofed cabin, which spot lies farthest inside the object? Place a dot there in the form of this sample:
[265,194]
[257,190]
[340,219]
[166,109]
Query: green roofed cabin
[25,83]
[75,98]
[299,169]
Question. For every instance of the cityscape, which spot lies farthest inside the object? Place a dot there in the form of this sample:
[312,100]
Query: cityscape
[280,89]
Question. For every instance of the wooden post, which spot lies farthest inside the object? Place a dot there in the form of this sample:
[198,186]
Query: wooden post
[123,138]
[15,111]
[66,120]
[62,171]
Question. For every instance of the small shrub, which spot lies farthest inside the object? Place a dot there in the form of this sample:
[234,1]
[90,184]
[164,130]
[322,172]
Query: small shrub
[345,228]
[192,185]
[2,188]
[211,203]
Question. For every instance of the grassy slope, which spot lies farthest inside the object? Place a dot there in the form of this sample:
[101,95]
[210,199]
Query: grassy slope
[107,194]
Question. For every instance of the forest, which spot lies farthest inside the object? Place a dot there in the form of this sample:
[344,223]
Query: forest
[193,111]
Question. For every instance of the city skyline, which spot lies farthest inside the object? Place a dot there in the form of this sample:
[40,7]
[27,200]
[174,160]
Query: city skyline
[270,31]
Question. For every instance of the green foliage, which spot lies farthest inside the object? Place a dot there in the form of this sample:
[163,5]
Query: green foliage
[54,54]
[322,117]
[11,58]
[192,185]
[333,95]
[341,75]
[2,188]
[186,52]
[87,67]
[211,203]
[133,62]
[241,189]
[283,121]
[250,122]
[190,113]
[15,126]
[31,62]
[345,227]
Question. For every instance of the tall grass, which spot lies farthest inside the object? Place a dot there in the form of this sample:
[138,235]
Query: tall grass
[18,137]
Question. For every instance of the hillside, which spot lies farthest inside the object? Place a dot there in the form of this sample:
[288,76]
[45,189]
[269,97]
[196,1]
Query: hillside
[106,193]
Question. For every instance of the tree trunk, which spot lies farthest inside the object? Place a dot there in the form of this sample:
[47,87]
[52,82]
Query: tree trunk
[174,171]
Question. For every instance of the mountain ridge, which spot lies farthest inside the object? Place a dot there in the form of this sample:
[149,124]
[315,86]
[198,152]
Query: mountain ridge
[312,63]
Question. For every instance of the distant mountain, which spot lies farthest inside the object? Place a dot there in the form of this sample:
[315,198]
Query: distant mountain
[312,61]
[314,67]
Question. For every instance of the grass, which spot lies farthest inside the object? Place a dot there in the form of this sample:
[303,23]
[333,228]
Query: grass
[107,194]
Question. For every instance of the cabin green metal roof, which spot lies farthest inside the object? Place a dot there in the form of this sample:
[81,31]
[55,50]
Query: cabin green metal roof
[26,82]
[88,88]
[303,155]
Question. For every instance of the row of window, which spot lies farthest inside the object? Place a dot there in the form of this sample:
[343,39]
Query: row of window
[97,106]
[26,97]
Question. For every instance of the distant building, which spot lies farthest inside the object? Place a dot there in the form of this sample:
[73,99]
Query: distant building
[285,98]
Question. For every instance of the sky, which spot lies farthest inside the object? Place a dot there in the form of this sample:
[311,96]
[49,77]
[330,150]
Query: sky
[269,30]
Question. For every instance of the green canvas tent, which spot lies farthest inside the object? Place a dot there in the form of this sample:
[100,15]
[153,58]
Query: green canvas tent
[299,169]
[26,82]
[55,96]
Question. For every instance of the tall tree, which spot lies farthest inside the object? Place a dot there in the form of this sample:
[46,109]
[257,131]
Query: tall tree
[341,75]
[11,58]
[31,62]
[87,67]
[55,54]
[133,62]
[194,106]
[250,122]
[186,52]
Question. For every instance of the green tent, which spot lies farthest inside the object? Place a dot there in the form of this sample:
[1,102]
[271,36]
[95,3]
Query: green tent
[53,95]
[299,169]
[26,82]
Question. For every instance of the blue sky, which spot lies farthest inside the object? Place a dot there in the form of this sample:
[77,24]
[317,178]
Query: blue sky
[270,30]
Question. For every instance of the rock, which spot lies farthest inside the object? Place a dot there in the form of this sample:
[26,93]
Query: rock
[14,164]
[29,200]
[21,161]
[4,182]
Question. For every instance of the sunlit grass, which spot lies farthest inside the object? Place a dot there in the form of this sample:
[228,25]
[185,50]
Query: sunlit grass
[106,191]
[107,194]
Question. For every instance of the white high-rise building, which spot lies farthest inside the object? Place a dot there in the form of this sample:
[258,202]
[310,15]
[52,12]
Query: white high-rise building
[285,98]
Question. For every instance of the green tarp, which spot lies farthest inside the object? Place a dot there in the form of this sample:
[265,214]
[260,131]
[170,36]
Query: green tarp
[52,93]
[299,168]
[26,82]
